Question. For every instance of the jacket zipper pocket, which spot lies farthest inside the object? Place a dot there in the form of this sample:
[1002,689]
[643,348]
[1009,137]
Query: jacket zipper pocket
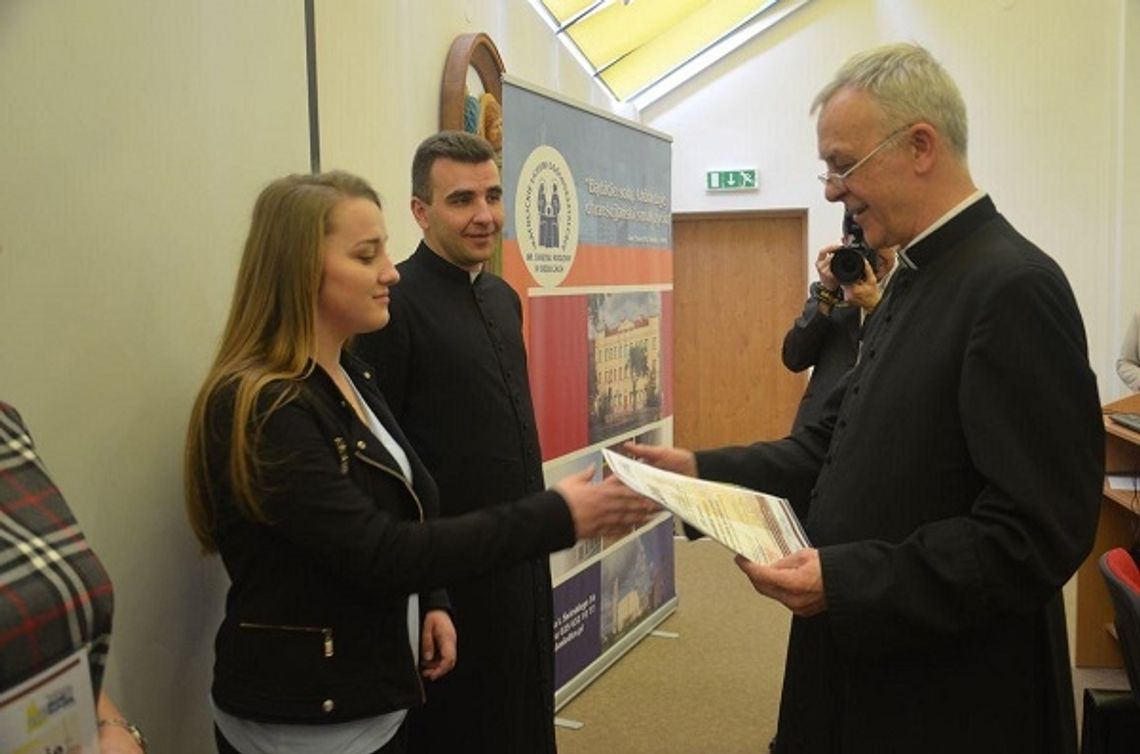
[326,633]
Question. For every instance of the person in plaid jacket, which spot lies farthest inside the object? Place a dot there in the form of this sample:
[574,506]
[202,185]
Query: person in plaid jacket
[55,595]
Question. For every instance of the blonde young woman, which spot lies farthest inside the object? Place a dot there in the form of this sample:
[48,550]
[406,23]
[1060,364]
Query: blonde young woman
[324,517]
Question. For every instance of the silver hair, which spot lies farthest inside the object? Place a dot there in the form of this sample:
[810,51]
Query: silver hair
[910,85]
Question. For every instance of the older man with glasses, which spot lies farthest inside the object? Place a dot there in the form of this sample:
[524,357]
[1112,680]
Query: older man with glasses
[953,483]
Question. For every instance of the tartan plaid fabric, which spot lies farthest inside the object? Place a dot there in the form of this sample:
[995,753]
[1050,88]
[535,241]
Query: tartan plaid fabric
[55,596]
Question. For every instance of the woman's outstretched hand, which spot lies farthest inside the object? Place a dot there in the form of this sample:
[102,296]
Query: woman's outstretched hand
[603,508]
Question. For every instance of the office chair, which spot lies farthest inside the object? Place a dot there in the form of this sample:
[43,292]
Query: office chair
[1123,578]
[1112,719]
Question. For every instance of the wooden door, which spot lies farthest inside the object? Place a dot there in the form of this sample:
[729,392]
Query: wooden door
[740,280]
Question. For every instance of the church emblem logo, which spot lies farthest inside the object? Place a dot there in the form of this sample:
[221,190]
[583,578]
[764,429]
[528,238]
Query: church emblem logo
[546,216]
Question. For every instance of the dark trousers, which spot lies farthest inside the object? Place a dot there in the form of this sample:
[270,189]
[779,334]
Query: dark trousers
[398,744]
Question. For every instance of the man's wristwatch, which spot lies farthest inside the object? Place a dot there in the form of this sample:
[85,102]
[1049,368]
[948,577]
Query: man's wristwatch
[825,296]
[129,727]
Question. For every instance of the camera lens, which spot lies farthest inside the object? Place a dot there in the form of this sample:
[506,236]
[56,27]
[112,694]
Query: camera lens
[847,265]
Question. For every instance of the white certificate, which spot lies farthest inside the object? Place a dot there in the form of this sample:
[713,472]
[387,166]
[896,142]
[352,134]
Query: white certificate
[761,527]
[53,713]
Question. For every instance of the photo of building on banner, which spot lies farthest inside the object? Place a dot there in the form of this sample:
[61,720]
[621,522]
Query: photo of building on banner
[588,247]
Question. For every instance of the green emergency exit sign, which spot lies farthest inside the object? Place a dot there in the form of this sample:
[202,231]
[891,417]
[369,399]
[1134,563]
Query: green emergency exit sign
[731,180]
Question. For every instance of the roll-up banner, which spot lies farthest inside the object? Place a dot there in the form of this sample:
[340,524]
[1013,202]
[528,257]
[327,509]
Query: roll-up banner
[588,246]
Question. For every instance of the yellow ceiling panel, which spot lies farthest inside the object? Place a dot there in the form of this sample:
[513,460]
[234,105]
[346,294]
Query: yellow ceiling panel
[633,45]
[564,10]
[668,50]
[614,30]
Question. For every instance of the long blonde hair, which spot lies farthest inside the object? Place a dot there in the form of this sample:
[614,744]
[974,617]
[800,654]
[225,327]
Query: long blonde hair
[270,335]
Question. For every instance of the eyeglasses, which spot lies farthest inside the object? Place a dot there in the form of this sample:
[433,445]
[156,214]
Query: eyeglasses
[839,180]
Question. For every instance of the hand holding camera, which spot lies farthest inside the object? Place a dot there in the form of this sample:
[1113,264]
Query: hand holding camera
[854,260]
[847,272]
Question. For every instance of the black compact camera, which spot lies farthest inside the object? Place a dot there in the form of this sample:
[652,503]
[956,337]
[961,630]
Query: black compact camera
[847,261]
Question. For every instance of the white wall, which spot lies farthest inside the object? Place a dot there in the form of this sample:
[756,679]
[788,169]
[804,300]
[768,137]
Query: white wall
[1124,265]
[1042,83]
[134,136]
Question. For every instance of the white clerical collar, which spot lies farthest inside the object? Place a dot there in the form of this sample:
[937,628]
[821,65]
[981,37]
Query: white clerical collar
[954,212]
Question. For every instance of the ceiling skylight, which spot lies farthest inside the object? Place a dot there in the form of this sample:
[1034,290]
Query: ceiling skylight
[641,49]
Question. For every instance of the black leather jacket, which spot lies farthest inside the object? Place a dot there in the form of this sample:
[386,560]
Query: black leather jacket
[315,629]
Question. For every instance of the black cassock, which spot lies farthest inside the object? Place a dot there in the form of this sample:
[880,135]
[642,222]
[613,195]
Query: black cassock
[952,488]
[452,365]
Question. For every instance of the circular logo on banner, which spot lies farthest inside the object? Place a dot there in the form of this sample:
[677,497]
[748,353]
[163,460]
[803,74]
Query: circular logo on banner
[546,216]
